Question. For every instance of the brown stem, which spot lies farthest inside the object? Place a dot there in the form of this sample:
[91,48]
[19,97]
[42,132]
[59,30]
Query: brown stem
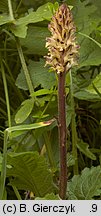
[62,135]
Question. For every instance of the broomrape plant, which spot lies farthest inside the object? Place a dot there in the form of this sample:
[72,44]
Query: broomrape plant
[62,56]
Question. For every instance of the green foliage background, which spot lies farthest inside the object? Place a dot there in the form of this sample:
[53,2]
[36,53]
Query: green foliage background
[29,151]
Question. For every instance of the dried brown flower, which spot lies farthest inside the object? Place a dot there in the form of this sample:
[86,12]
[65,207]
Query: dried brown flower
[63,50]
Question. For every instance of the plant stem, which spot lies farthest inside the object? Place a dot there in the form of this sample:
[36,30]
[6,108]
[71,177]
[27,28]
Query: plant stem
[10,10]
[12,82]
[6,94]
[73,127]
[62,134]
[3,169]
[24,66]
[18,6]
[99,44]
[16,192]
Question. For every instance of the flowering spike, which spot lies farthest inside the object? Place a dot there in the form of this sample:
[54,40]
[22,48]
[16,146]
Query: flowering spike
[63,50]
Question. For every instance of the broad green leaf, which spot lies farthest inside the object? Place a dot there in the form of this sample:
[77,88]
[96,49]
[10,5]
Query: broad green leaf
[55,145]
[82,12]
[86,95]
[42,101]
[4,18]
[35,40]
[86,20]
[47,10]
[42,13]
[97,83]
[70,160]
[24,111]
[19,30]
[30,172]
[89,53]
[90,38]
[23,142]
[50,196]
[53,7]
[84,148]
[85,186]
[42,92]
[68,115]
[39,76]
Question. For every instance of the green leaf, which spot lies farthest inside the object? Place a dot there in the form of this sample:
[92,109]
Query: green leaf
[24,111]
[86,95]
[68,115]
[89,53]
[50,196]
[4,18]
[42,92]
[85,186]
[84,148]
[83,16]
[39,75]
[16,130]
[46,11]
[42,13]
[90,38]
[70,160]
[35,40]
[19,30]
[53,7]
[87,20]
[30,172]
[97,83]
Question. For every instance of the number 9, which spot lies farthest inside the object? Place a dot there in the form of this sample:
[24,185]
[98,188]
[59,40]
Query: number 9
[94,207]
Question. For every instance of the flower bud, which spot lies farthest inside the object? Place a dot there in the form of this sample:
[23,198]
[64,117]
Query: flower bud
[62,47]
